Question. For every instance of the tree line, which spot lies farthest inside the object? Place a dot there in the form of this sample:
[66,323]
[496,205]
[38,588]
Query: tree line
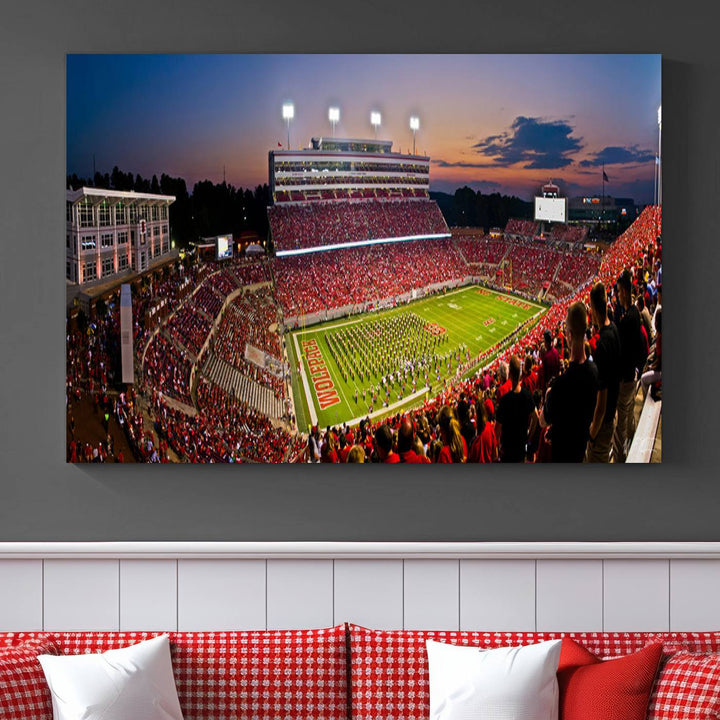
[211,209]
[468,208]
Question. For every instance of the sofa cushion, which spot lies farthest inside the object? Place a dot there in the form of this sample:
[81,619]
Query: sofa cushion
[389,670]
[692,642]
[498,684]
[591,689]
[687,687]
[243,675]
[24,693]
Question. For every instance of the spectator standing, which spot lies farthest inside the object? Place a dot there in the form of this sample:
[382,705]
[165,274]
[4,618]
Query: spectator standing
[570,400]
[550,360]
[513,417]
[607,359]
[633,354]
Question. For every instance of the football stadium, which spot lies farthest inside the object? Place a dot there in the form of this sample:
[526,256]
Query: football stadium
[362,326]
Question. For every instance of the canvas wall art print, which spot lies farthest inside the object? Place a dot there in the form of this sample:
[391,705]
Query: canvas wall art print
[317,258]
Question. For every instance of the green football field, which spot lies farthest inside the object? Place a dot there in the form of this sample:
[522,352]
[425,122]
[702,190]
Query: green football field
[384,361]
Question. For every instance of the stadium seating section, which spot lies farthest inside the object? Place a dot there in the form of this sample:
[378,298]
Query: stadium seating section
[212,362]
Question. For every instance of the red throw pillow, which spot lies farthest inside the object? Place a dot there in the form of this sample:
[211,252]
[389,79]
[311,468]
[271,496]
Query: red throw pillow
[616,689]
[24,692]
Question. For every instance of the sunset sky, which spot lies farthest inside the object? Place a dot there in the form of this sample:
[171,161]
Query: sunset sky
[505,123]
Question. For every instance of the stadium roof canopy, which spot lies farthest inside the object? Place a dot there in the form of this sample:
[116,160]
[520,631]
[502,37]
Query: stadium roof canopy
[129,195]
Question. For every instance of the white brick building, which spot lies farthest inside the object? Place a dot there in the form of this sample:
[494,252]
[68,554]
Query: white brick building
[112,231]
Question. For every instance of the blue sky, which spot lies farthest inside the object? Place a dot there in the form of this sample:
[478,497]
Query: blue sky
[493,122]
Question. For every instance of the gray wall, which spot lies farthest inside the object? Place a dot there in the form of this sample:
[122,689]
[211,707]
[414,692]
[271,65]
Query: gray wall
[42,498]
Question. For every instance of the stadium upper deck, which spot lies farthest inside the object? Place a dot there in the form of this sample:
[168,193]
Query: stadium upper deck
[339,168]
[343,192]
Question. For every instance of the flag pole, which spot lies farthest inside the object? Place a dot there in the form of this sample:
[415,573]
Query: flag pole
[602,206]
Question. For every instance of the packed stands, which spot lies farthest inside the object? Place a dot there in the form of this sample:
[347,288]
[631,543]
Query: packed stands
[167,369]
[522,228]
[569,233]
[353,276]
[310,225]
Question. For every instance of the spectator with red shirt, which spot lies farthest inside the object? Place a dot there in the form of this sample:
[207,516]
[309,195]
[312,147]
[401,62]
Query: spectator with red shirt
[484,448]
[454,449]
[406,445]
[384,445]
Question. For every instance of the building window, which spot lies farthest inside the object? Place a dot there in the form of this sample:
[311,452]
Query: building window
[68,212]
[164,212]
[87,242]
[165,230]
[156,230]
[122,237]
[106,240]
[122,262]
[104,214]
[133,213]
[68,270]
[86,214]
[120,214]
[89,271]
[108,266]
[165,244]
[156,249]
[67,241]
[155,212]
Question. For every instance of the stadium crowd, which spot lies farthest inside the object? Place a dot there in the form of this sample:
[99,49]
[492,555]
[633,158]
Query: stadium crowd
[607,321]
[316,224]
[556,394]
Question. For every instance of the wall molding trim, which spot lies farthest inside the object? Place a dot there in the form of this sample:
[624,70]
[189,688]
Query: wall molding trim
[361,550]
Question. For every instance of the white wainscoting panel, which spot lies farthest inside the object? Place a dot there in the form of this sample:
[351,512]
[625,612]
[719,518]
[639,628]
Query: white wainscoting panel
[221,595]
[569,595]
[369,593]
[471,586]
[497,595]
[21,580]
[148,595]
[431,594]
[82,595]
[299,594]
[635,595]
[694,595]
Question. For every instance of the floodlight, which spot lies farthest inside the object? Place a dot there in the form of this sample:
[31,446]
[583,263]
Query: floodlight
[288,110]
[414,126]
[375,118]
[660,115]
[334,114]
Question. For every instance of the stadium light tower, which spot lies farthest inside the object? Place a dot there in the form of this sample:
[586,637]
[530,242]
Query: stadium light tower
[414,126]
[375,119]
[288,110]
[334,117]
[659,160]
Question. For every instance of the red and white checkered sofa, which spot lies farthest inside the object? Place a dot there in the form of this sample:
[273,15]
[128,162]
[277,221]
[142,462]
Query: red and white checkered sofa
[346,671]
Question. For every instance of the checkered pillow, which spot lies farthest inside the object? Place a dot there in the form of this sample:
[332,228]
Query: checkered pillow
[687,688]
[389,669]
[24,692]
[253,675]
[690,642]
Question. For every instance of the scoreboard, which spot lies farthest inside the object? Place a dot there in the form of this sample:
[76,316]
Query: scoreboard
[551,209]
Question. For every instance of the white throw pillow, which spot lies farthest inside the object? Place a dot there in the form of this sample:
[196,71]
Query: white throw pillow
[513,683]
[131,683]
